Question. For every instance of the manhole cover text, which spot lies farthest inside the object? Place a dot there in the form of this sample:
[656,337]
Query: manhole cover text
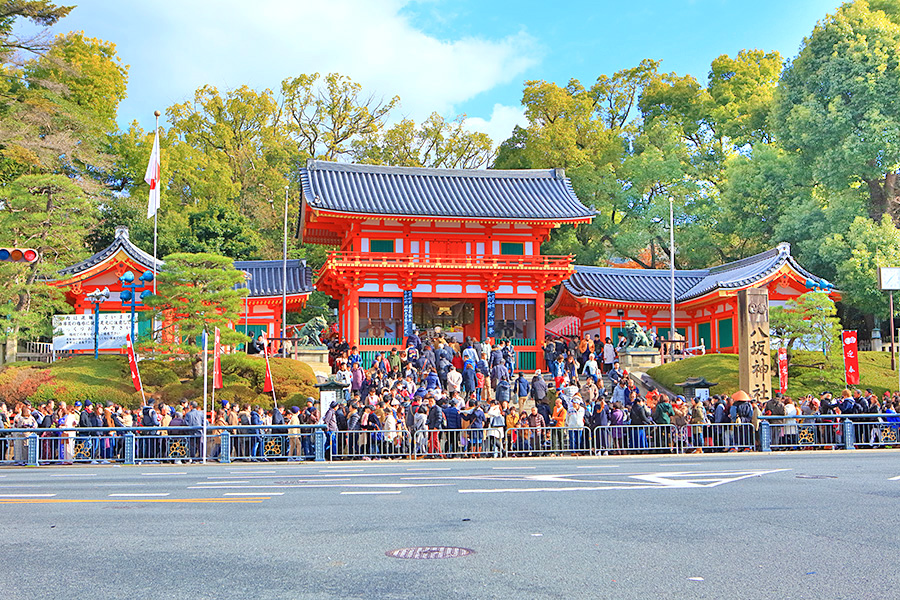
[429,552]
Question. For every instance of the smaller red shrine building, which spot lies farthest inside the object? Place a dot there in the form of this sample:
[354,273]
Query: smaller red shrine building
[262,307]
[705,299]
[418,248]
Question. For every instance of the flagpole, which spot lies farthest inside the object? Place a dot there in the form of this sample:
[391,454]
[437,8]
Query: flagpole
[205,389]
[156,113]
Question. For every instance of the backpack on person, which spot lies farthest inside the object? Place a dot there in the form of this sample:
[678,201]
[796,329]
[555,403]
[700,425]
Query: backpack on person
[148,418]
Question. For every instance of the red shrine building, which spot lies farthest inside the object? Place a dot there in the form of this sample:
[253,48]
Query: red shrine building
[603,298]
[457,250]
[262,306]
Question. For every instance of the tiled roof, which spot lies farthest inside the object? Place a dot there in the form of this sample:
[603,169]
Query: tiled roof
[266,276]
[654,285]
[122,242]
[533,194]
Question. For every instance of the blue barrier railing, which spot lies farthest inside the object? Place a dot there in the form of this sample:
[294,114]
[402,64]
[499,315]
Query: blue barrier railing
[137,445]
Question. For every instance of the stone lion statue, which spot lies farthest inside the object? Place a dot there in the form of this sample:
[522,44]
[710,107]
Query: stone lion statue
[636,336]
[311,330]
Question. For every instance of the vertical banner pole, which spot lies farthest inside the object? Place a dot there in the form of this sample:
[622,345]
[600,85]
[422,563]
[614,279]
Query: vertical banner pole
[205,389]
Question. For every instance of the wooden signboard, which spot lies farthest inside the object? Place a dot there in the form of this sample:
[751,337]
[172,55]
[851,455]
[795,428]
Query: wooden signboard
[753,343]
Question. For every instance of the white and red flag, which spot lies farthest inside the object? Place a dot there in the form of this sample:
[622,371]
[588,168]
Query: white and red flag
[152,178]
[782,370]
[268,386]
[217,362]
[851,358]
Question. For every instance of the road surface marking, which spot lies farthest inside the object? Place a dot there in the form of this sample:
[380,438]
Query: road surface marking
[254,500]
[502,468]
[27,495]
[223,481]
[429,469]
[598,467]
[138,495]
[249,472]
[74,475]
[317,485]
[252,494]
[897,478]
[370,493]
[163,473]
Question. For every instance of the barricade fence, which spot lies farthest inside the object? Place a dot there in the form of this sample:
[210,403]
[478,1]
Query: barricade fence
[136,445]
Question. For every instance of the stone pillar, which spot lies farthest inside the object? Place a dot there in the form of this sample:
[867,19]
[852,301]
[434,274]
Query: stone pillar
[754,355]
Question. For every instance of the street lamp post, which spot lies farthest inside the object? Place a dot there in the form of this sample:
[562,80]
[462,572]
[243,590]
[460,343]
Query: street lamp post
[130,297]
[97,297]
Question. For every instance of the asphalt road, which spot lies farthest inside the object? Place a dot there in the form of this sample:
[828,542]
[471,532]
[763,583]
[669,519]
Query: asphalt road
[788,525]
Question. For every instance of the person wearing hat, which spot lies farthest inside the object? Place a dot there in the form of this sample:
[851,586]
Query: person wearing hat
[575,425]
[742,414]
[662,415]
[698,419]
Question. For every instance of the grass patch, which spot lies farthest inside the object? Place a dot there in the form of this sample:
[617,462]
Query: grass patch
[818,376]
[109,379]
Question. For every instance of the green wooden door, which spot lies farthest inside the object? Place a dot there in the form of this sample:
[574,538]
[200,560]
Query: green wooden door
[704,334]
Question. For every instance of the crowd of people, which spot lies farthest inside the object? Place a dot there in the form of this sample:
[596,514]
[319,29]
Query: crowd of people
[438,397]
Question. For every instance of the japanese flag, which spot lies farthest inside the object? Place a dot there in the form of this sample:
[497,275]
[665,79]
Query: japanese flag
[152,178]
[268,385]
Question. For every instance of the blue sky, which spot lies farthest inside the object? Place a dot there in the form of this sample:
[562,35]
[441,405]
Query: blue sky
[449,56]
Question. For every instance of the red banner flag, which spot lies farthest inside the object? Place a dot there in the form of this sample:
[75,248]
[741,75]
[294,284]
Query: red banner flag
[217,362]
[268,386]
[851,359]
[132,362]
[782,370]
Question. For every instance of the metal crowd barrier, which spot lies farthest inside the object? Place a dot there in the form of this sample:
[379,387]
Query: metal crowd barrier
[366,444]
[225,444]
[830,432]
[136,445]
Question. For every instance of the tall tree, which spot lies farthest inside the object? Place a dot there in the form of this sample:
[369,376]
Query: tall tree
[50,214]
[436,143]
[197,292]
[835,105]
[325,117]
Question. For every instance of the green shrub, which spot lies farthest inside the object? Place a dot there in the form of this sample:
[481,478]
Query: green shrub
[157,374]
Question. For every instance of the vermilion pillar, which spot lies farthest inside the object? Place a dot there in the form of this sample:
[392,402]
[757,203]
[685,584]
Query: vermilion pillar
[352,301]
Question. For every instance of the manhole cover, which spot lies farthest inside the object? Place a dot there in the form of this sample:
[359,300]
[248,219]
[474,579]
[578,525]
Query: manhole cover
[427,552]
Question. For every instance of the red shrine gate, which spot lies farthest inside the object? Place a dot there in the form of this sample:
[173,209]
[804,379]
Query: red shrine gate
[426,248]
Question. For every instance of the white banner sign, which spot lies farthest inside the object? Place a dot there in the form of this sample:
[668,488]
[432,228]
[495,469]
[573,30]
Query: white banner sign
[76,332]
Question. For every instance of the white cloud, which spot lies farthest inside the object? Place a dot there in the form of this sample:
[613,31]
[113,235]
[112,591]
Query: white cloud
[228,43]
[501,124]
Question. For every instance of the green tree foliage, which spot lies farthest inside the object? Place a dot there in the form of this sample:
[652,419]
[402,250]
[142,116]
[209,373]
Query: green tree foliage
[835,105]
[50,214]
[811,319]
[437,143]
[858,254]
[196,292]
[324,119]
[40,12]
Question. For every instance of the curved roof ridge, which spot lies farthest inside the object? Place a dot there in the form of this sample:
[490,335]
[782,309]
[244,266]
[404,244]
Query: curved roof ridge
[465,194]
[327,165]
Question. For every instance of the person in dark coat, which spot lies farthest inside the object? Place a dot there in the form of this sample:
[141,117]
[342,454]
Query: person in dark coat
[538,387]
[468,375]
[522,387]
[503,389]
